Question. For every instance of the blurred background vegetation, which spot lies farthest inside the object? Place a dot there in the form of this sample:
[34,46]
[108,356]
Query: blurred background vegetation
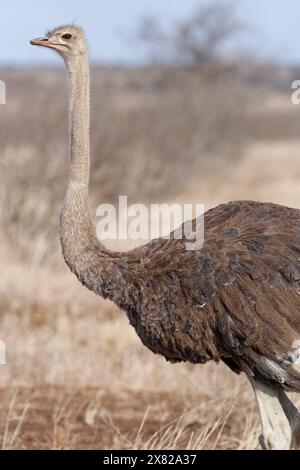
[157,131]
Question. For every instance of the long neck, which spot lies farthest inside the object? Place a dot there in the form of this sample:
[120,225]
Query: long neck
[79,82]
[76,228]
[97,268]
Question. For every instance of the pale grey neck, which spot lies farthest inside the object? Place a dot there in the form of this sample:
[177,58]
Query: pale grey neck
[75,223]
[78,69]
[99,269]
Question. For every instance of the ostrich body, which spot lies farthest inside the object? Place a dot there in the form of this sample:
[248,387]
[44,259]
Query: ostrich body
[236,300]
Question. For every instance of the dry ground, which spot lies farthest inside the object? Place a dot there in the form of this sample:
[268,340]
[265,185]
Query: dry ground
[76,374]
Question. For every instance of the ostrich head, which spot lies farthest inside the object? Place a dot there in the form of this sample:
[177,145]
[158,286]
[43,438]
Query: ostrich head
[69,41]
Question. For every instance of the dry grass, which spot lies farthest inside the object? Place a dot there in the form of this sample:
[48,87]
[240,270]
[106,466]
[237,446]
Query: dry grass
[76,374]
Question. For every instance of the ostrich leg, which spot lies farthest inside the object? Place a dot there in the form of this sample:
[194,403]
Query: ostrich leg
[276,428]
[293,417]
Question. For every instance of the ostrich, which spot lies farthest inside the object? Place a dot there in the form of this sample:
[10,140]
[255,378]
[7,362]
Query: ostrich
[236,300]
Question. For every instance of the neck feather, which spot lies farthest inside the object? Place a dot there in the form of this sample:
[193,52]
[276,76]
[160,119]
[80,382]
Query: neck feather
[99,269]
[78,69]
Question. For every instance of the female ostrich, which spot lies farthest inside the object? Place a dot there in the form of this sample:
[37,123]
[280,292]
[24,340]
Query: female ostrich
[236,300]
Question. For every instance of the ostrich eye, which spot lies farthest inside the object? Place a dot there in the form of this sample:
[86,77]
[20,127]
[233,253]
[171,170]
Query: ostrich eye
[67,36]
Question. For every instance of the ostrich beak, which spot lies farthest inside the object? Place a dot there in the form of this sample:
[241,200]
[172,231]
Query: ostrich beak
[41,42]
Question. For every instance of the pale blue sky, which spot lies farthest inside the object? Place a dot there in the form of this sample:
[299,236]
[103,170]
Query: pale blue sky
[276,26]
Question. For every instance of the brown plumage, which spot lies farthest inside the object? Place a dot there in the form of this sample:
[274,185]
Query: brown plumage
[236,300]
